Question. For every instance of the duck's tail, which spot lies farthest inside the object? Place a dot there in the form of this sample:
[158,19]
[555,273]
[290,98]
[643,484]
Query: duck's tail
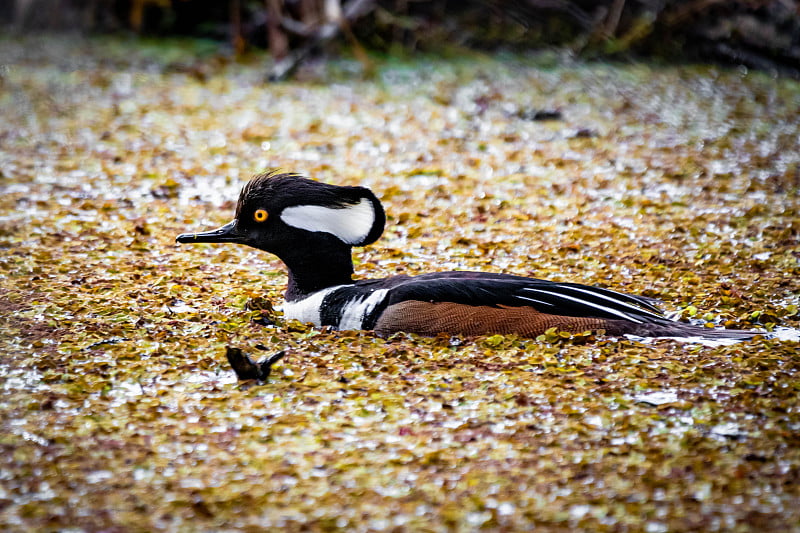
[668,328]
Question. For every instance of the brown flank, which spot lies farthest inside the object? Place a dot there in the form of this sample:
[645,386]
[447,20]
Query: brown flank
[432,318]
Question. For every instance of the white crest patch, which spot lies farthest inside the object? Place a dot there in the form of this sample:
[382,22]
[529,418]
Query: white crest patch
[351,223]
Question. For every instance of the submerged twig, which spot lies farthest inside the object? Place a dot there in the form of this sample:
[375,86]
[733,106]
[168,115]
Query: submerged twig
[246,368]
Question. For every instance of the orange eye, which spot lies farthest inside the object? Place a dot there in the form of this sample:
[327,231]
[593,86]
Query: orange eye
[260,215]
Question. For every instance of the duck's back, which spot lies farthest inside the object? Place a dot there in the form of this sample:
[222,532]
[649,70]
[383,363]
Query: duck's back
[478,303]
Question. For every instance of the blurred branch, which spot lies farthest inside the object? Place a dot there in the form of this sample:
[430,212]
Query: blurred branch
[614,15]
[277,40]
[580,16]
[297,27]
[688,9]
[324,33]
[137,9]
[237,40]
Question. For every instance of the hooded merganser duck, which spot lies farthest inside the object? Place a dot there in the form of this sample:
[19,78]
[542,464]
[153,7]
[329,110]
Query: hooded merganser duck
[312,227]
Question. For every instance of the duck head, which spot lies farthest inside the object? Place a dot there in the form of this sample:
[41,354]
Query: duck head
[276,209]
[310,225]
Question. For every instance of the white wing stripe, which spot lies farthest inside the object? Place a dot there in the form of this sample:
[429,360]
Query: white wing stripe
[535,300]
[610,299]
[590,304]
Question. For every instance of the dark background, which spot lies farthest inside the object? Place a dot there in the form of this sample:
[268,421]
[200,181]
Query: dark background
[760,34]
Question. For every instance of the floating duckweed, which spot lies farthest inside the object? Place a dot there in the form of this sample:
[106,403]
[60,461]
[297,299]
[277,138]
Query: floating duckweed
[121,412]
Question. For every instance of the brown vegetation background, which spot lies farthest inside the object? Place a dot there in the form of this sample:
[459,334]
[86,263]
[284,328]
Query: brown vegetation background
[761,34]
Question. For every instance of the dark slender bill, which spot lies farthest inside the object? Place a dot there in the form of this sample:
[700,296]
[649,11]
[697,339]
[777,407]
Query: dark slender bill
[227,233]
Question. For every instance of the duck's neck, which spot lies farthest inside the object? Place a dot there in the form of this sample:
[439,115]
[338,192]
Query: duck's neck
[329,264]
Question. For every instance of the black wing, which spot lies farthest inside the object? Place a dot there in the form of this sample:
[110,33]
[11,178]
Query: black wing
[479,288]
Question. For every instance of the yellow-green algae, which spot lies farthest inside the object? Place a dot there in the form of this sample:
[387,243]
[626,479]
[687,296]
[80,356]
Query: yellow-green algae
[119,412]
